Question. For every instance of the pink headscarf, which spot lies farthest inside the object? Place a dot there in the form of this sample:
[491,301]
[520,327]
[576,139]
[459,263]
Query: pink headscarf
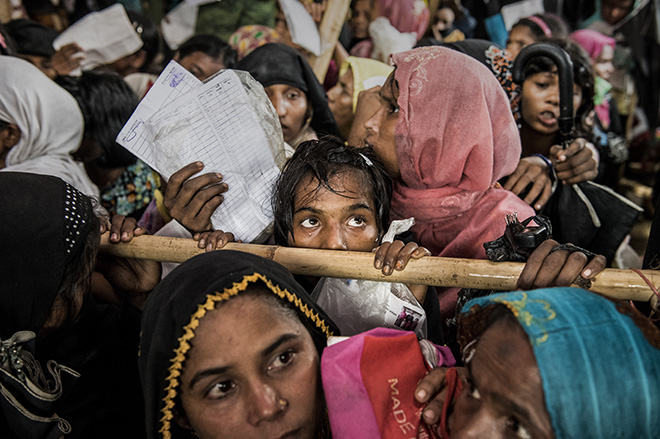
[455,138]
[406,15]
[592,41]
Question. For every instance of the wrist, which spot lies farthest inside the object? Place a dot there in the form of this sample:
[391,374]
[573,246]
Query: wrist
[545,160]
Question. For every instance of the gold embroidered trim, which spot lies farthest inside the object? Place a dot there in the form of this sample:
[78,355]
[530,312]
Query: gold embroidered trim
[189,333]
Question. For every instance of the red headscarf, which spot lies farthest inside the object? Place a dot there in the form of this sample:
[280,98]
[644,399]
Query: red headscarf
[455,138]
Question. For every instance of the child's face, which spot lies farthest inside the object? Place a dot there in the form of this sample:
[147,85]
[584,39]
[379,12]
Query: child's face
[444,19]
[326,220]
[519,38]
[603,65]
[540,102]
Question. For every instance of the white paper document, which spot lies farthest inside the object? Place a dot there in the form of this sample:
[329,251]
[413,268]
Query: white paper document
[181,121]
[105,36]
[179,24]
[301,26]
[515,11]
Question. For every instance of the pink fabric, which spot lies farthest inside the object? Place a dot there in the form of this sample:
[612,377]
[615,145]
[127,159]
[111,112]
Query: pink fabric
[592,41]
[369,382]
[406,15]
[455,138]
[603,113]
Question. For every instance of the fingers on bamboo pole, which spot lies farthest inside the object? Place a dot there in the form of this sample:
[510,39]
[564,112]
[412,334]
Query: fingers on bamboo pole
[436,271]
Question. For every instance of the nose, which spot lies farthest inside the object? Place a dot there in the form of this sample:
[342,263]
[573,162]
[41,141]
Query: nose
[371,124]
[279,105]
[333,93]
[553,96]
[333,238]
[266,404]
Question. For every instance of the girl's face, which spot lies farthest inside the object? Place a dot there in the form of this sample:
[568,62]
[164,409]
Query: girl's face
[340,101]
[603,65]
[444,19]
[252,372]
[503,398]
[540,102]
[291,106]
[519,38]
[381,127]
[327,220]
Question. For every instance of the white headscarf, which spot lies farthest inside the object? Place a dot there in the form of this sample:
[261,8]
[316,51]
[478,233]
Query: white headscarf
[50,121]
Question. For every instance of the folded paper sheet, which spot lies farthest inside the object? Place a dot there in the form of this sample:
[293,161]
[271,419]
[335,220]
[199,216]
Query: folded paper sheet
[105,36]
[228,124]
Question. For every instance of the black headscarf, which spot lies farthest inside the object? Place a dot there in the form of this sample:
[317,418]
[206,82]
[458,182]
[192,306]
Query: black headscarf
[43,224]
[277,63]
[32,37]
[176,306]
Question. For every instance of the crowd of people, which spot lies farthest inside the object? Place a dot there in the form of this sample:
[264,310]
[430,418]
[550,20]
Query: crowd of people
[437,127]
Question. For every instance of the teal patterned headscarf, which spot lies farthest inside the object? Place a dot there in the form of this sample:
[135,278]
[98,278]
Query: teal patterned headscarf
[600,372]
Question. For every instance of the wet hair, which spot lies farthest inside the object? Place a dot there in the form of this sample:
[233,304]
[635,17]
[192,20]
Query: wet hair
[148,32]
[322,160]
[106,102]
[558,27]
[209,45]
[583,76]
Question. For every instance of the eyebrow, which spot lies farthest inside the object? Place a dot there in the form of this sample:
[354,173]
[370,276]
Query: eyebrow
[264,352]
[352,207]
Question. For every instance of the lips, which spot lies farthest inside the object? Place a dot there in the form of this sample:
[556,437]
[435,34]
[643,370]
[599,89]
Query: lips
[548,118]
[289,435]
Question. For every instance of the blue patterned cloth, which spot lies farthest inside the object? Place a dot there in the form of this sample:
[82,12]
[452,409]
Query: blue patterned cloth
[601,376]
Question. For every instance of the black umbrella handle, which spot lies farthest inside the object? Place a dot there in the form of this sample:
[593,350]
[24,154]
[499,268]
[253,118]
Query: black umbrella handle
[565,69]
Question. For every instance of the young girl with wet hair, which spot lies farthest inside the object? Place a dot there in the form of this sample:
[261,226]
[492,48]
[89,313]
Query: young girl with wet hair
[337,197]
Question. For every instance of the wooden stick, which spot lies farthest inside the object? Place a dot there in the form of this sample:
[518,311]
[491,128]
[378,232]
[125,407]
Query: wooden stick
[333,20]
[443,272]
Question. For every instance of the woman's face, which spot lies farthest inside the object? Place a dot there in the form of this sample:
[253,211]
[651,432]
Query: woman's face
[503,398]
[603,65]
[291,106]
[326,220]
[340,100]
[519,38]
[201,65]
[540,102]
[381,127]
[614,11]
[360,19]
[252,372]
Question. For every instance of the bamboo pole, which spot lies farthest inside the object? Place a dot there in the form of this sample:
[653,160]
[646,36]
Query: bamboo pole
[437,271]
[333,20]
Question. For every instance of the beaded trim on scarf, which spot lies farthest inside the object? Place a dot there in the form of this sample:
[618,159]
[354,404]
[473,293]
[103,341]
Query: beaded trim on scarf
[189,333]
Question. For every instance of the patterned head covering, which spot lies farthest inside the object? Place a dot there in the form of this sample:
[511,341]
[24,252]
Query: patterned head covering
[455,138]
[183,298]
[248,38]
[44,210]
[599,360]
